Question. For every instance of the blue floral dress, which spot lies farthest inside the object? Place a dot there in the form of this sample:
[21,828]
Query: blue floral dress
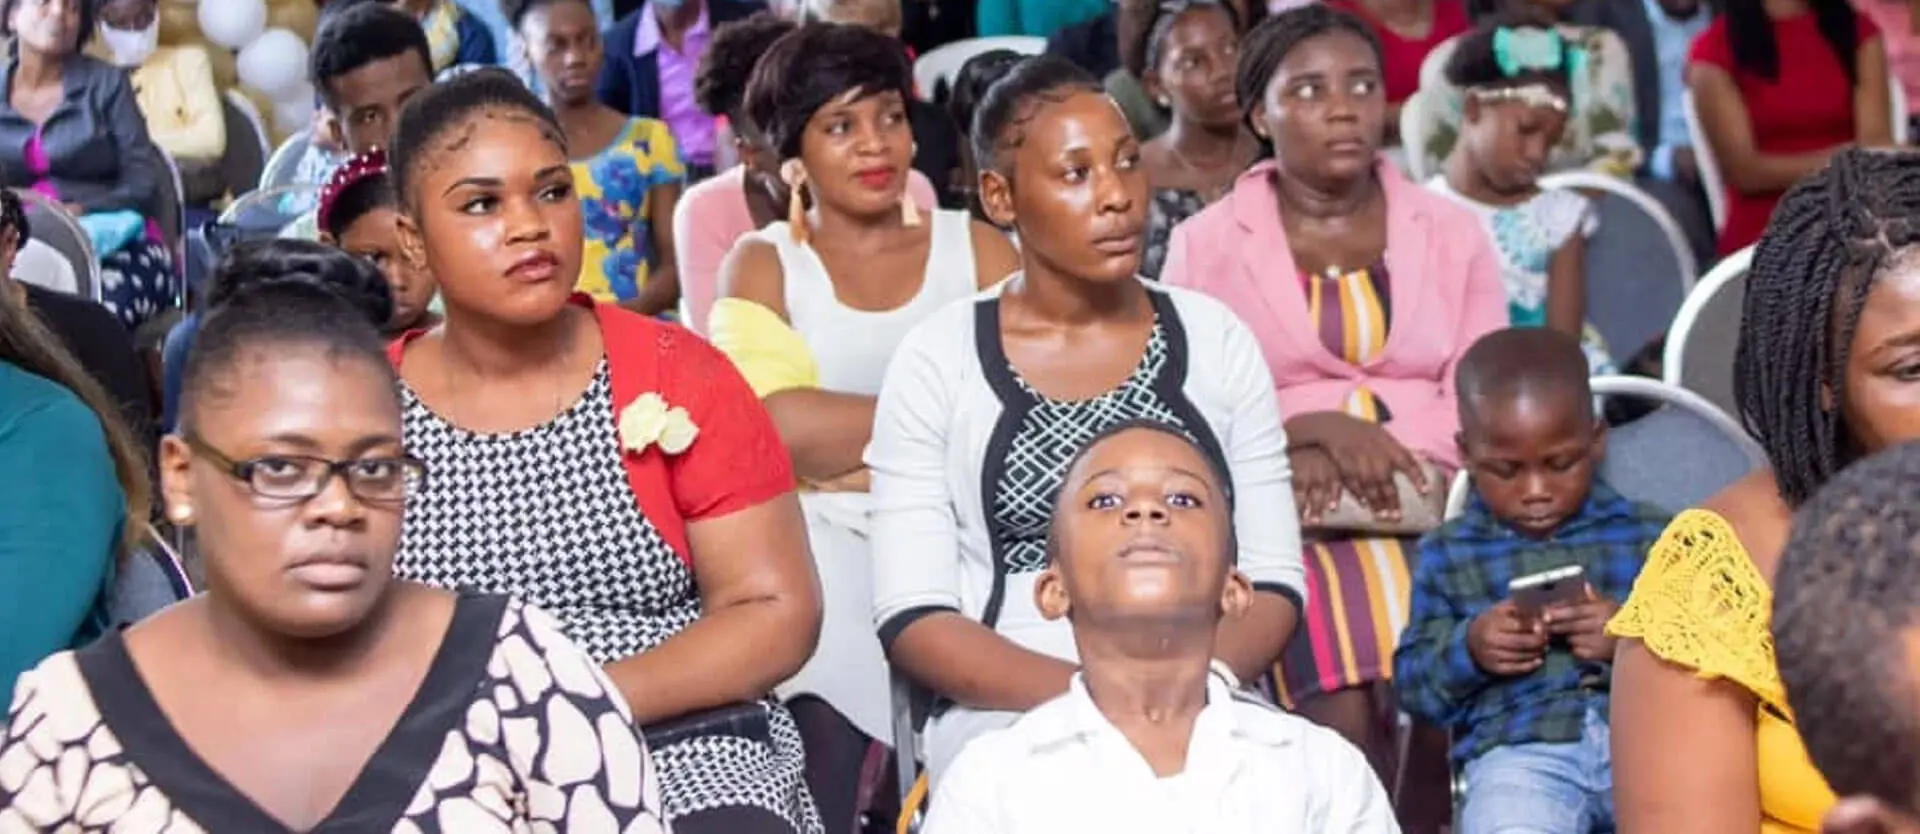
[616,189]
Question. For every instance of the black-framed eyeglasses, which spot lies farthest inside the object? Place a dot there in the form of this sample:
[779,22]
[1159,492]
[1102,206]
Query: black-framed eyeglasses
[384,479]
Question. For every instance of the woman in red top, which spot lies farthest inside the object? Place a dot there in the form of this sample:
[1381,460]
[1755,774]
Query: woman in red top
[614,468]
[1408,30]
[1781,85]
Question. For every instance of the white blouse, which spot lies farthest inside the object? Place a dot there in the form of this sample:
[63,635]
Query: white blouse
[934,432]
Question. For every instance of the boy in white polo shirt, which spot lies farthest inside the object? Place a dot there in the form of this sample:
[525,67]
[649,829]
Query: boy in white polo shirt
[1152,737]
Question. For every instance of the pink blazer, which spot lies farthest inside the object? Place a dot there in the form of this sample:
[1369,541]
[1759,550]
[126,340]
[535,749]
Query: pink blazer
[1444,280]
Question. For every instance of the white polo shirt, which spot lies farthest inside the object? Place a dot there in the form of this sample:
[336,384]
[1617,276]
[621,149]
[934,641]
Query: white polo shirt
[1250,768]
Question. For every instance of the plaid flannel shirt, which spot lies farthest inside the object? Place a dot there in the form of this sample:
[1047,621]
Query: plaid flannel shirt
[1463,570]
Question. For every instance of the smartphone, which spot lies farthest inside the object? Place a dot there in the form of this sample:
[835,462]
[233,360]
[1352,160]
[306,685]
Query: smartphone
[1537,592]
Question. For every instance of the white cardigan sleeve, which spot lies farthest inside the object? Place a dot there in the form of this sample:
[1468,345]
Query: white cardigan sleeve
[916,538]
[1264,517]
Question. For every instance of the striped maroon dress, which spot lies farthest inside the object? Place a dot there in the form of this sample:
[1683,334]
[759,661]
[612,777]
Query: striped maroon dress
[1357,588]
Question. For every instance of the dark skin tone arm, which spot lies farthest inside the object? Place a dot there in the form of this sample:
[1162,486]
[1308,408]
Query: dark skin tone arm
[1659,707]
[662,290]
[1729,129]
[1567,287]
[761,621]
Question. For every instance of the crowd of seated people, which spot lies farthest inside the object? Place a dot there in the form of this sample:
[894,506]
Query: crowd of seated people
[641,431]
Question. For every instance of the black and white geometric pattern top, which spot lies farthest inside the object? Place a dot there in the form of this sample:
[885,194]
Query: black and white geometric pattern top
[1037,437]
[513,729]
[547,514]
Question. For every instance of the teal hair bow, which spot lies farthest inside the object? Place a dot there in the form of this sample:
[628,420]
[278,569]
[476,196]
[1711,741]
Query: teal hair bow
[1535,50]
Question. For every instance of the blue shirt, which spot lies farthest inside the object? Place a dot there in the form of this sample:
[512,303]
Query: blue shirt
[1463,570]
[61,511]
[1671,41]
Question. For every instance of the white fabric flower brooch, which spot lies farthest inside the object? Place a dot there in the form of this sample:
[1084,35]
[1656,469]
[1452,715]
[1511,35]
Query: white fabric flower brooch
[649,421]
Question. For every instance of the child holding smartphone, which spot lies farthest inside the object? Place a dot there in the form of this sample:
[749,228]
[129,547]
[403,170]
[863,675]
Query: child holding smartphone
[1523,686]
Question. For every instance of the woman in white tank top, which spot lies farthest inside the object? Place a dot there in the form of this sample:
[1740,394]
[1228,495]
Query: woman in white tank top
[812,309]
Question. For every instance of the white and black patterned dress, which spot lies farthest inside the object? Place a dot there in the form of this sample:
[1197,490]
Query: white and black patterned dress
[547,514]
[1037,437]
[512,729]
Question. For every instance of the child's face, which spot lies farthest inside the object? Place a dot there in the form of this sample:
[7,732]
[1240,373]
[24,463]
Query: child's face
[1510,141]
[1142,532]
[376,237]
[1532,457]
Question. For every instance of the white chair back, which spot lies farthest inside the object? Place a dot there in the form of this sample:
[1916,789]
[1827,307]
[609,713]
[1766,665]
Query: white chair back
[1897,110]
[944,62]
[1639,265]
[1419,115]
[1706,331]
[1711,180]
[53,226]
[285,161]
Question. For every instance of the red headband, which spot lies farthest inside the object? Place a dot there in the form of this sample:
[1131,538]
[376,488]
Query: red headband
[350,172]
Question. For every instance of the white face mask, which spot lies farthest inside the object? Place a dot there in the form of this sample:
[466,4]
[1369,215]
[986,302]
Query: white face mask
[131,47]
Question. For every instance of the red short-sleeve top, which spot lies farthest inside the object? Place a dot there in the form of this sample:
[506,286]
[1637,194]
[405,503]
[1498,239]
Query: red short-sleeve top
[1401,57]
[736,461]
[1809,107]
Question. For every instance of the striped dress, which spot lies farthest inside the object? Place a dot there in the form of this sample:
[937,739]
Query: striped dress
[1357,588]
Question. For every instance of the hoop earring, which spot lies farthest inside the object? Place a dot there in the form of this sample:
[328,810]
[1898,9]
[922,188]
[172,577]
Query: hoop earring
[794,174]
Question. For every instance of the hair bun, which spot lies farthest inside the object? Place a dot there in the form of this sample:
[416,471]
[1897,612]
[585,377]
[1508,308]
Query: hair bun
[260,270]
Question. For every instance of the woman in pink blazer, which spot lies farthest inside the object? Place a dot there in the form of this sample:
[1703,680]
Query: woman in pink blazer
[1363,290]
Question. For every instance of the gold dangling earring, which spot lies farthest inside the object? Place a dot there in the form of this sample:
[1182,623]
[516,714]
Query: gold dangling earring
[794,175]
[909,210]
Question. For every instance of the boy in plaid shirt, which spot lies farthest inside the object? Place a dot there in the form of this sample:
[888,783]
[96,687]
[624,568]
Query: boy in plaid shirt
[1525,693]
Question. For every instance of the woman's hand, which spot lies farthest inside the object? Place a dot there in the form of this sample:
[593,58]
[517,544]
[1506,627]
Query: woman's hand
[1366,455]
[1316,483]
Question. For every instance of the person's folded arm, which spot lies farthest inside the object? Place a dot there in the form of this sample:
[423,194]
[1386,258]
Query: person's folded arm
[825,431]
[1729,130]
[747,545]
[661,293]
[1266,525]
[59,529]
[916,550]
[1433,672]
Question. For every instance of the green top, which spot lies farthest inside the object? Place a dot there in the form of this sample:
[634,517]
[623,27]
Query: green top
[1034,17]
[61,511]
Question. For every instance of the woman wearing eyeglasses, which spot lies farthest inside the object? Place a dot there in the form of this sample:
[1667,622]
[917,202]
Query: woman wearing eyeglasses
[307,690]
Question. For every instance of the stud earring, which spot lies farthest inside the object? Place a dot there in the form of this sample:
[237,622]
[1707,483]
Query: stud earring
[1164,102]
[180,514]
[794,174]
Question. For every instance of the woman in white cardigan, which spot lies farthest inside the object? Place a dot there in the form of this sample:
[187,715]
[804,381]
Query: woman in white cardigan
[986,402]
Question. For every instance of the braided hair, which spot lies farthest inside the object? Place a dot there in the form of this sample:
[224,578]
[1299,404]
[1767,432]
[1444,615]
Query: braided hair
[1828,242]
[1269,44]
[1846,597]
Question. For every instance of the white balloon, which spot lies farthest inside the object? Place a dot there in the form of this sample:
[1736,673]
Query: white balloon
[274,63]
[232,23]
[294,112]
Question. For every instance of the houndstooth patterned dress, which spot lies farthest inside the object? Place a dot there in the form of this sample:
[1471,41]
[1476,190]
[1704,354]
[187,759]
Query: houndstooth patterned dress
[546,514]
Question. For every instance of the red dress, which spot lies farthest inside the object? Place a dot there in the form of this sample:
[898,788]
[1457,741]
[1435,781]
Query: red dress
[1401,57]
[1808,108]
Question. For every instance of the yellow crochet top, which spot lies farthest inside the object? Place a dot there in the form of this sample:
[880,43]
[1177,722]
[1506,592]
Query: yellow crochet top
[1700,603]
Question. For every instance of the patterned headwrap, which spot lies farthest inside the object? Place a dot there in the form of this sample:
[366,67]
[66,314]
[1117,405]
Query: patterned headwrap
[349,173]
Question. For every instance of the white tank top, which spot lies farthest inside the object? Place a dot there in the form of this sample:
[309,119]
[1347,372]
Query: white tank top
[852,347]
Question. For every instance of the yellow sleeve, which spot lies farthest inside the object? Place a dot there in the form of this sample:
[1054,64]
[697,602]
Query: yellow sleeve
[767,350]
[1700,603]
